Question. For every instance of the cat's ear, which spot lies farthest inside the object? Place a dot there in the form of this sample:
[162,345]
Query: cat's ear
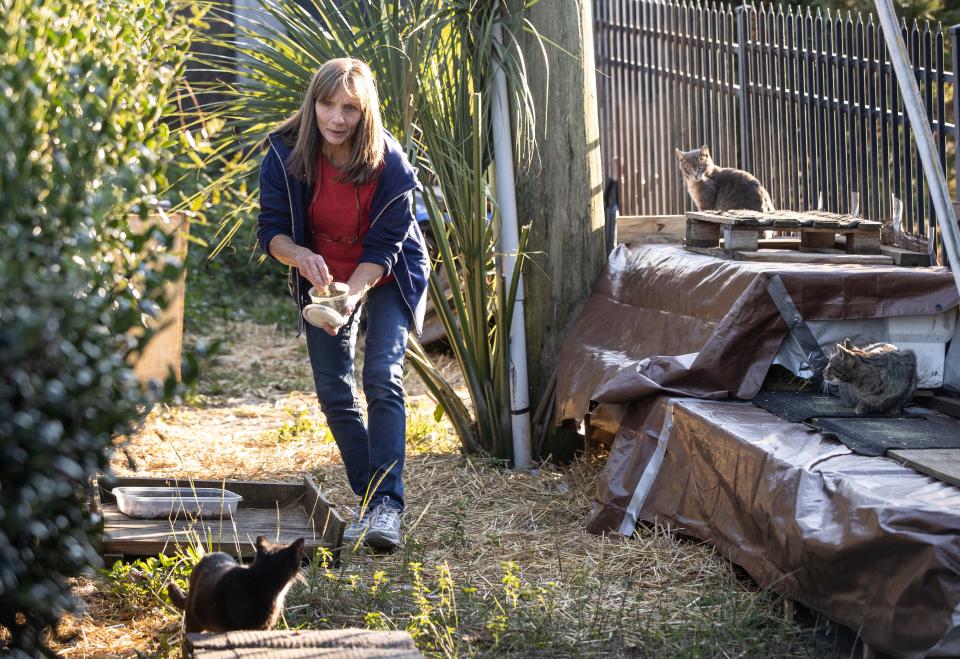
[262,544]
[297,546]
[704,150]
[848,344]
[679,154]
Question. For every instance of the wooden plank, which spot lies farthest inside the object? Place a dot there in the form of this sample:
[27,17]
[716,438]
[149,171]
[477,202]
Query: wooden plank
[351,642]
[816,239]
[941,463]
[790,256]
[716,252]
[948,405]
[163,352]
[782,242]
[324,517]
[702,234]
[741,219]
[906,257]
[638,229]
[254,493]
[735,238]
[133,537]
[861,242]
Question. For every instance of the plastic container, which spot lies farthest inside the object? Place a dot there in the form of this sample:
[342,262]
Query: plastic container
[925,334]
[333,296]
[155,502]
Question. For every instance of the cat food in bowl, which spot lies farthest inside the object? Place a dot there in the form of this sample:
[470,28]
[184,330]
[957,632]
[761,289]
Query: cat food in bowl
[158,502]
[334,296]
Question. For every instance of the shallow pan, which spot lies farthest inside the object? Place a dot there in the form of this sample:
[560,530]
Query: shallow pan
[154,502]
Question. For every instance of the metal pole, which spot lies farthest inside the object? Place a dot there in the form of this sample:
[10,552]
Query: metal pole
[926,148]
[743,72]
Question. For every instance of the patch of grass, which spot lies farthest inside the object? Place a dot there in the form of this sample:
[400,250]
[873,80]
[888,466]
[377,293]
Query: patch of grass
[589,611]
[302,425]
[427,431]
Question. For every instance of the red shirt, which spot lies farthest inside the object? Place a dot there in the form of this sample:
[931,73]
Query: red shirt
[339,217]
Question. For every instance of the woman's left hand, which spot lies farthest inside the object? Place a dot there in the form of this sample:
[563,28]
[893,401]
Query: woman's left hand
[348,306]
[362,279]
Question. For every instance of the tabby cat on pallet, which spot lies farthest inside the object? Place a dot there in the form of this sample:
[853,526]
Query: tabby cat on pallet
[876,379]
[714,188]
[225,596]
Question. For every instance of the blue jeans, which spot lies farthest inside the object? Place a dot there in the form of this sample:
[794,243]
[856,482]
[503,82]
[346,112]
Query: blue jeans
[373,452]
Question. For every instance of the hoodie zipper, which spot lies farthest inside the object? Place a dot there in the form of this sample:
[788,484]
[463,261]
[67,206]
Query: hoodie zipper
[403,297]
[293,235]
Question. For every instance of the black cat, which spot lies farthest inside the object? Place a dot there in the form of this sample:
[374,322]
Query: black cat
[225,596]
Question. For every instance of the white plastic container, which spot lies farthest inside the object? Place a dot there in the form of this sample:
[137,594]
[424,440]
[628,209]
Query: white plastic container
[156,502]
[926,335]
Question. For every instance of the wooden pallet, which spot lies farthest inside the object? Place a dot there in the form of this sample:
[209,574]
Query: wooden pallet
[741,230]
[281,511]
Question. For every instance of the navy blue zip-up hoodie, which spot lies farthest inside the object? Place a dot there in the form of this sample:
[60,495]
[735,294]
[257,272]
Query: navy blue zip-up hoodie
[393,241]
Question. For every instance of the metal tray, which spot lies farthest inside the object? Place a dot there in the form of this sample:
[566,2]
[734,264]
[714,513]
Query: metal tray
[155,502]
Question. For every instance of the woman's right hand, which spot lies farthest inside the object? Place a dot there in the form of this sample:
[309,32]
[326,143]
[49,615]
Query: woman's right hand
[314,268]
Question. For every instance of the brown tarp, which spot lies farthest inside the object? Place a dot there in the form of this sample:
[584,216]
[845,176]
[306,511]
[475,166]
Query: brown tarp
[870,543]
[867,542]
[664,319]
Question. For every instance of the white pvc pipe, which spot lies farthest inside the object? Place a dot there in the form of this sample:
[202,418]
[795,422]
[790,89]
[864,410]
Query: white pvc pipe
[939,193]
[509,244]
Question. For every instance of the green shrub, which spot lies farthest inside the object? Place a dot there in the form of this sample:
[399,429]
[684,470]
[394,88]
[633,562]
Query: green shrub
[83,88]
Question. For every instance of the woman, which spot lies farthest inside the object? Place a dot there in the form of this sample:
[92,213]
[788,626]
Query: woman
[336,204]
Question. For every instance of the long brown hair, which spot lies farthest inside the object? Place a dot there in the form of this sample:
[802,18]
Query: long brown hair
[301,132]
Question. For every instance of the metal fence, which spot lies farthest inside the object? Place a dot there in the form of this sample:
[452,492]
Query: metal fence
[806,101]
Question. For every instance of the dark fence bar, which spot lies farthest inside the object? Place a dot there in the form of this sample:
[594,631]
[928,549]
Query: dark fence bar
[806,101]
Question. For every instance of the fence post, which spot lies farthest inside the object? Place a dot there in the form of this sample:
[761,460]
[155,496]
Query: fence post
[743,72]
[955,68]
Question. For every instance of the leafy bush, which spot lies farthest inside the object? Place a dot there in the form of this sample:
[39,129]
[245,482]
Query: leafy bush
[83,88]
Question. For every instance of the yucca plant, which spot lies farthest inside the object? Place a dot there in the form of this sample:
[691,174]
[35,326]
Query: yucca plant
[433,60]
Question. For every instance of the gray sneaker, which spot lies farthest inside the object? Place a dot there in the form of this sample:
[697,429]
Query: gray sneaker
[357,528]
[384,529]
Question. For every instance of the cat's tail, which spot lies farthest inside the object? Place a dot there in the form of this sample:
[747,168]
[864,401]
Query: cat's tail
[177,596]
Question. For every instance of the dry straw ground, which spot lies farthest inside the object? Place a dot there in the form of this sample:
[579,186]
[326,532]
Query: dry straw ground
[493,563]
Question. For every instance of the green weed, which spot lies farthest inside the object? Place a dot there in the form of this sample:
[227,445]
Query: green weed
[300,425]
[143,583]
[427,432]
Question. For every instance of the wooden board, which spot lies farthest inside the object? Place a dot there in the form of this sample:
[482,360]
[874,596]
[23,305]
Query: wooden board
[281,511]
[906,257]
[341,643]
[638,229]
[949,405]
[791,256]
[941,463]
[163,352]
[783,219]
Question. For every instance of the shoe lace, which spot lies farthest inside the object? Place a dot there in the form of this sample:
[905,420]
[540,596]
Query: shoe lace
[381,515]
